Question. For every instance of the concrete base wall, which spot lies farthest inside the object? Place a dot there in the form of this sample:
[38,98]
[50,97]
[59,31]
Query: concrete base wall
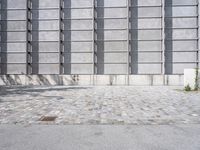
[156,80]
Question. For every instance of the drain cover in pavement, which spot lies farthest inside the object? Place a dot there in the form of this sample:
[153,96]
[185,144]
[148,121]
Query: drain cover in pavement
[48,118]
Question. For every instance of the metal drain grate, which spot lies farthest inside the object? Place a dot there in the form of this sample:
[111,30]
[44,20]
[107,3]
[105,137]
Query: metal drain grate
[48,118]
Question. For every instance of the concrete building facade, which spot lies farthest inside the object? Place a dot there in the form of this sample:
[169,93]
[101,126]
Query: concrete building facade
[128,39]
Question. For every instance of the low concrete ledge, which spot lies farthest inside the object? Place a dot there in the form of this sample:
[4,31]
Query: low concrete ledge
[84,80]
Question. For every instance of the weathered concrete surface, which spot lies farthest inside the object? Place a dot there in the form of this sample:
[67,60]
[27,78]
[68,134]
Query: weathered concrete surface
[174,80]
[191,76]
[104,50]
[179,137]
[99,105]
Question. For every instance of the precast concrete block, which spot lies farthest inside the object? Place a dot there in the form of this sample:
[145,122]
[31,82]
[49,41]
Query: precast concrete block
[78,46]
[149,68]
[115,57]
[114,35]
[14,37]
[14,4]
[148,34]
[16,69]
[14,15]
[181,45]
[180,57]
[185,11]
[47,68]
[79,3]
[146,23]
[190,77]
[112,3]
[14,47]
[78,35]
[15,58]
[114,46]
[75,13]
[181,22]
[115,69]
[140,80]
[175,80]
[148,46]
[119,79]
[149,57]
[149,12]
[45,4]
[82,68]
[45,36]
[181,33]
[85,80]
[113,12]
[180,2]
[45,14]
[102,80]
[78,24]
[113,23]
[78,57]
[14,26]
[178,68]
[158,80]
[45,25]
[45,46]
[70,80]
[47,58]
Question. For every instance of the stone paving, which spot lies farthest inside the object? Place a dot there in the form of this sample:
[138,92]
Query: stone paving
[99,105]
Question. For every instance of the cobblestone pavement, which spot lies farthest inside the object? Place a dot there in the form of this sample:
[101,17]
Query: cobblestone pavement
[99,105]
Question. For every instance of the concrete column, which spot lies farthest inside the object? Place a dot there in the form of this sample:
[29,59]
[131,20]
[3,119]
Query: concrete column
[198,32]
[0,38]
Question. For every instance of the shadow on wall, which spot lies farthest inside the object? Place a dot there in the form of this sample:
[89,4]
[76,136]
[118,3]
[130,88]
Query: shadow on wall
[168,37]
[35,37]
[100,37]
[3,49]
[134,37]
[67,37]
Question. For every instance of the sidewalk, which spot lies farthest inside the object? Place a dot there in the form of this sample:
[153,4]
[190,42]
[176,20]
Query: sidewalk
[100,137]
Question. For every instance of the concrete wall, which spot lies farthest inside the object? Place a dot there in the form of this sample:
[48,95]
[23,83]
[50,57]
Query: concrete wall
[87,80]
[104,37]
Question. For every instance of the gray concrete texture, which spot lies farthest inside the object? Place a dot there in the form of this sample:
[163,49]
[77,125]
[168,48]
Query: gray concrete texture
[96,40]
[107,137]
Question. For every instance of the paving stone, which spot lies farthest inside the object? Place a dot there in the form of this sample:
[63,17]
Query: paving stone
[99,105]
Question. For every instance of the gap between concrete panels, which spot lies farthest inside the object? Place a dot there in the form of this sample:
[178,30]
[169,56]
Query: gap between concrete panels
[171,80]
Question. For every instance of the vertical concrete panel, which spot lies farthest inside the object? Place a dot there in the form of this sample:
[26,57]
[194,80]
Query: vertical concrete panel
[13,37]
[78,37]
[45,37]
[181,35]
